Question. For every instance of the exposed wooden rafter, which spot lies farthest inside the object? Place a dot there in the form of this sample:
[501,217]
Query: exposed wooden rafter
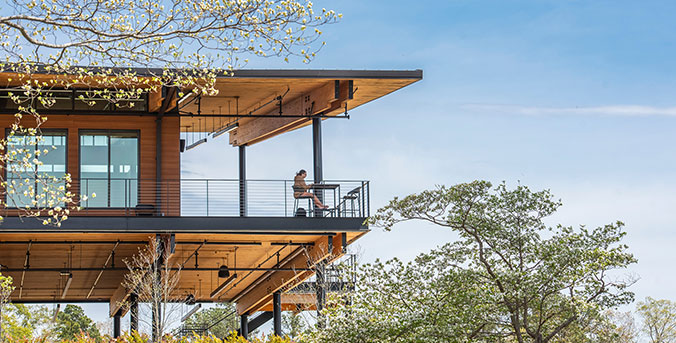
[324,99]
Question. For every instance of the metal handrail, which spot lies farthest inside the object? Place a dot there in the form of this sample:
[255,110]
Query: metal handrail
[215,197]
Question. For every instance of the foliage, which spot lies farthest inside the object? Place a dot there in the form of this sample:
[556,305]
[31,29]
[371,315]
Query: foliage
[221,317]
[508,277]
[21,321]
[429,299]
[6,290]
[170,32]
[659,319]
[72,323]
[135,337]
[293,325]
[606,327]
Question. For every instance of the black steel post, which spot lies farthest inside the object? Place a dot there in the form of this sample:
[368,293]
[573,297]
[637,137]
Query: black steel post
[242,181]
[244,326]
[116,325]
[133,312]
[277,312]
[317,159]
[321,292]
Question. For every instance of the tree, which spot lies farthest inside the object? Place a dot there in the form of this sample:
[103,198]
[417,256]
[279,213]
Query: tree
[6,290]
[605,327]
[533,281]
[293,325]
[72,323]
[25,322]
[219,321]
[659,319]
[100,46]
[430,299]
[154,280]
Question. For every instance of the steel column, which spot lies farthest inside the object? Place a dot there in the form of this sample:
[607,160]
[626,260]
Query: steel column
[277,312]
[242,181]
[116,325]
[317,159]
[133,312]
[244,326]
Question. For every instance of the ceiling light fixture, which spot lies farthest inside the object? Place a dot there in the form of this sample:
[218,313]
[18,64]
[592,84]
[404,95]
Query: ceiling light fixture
[65,288]
[226,129]
[195,144]
[223,272]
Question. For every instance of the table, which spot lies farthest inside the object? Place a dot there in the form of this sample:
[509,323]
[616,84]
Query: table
[328,186]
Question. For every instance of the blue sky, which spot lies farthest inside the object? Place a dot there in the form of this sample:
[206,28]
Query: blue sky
[575,96]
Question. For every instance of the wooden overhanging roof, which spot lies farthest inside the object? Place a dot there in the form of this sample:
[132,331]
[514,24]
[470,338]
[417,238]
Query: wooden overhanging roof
[251,98]
[262,103]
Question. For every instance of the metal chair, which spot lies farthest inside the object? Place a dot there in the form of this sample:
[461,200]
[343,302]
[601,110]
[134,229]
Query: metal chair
[351,196]
[297,199]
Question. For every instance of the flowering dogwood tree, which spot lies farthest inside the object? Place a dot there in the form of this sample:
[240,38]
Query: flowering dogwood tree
[118,50]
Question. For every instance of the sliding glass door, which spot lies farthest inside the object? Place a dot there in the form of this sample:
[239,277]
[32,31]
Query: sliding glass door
[109,168]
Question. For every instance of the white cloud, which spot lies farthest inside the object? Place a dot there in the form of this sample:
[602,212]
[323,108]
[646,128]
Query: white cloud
[609,110]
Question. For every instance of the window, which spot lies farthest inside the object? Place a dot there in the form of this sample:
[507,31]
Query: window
[32,183]
[109,168]
[71,100]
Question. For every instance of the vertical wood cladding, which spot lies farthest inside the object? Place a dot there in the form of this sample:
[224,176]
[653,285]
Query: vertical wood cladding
[146,125]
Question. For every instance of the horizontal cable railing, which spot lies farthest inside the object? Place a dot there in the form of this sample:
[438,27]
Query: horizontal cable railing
[220,197]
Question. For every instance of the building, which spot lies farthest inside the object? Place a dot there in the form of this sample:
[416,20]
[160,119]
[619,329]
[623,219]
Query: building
[241,241]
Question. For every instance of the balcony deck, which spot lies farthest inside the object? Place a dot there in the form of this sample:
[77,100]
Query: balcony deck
[207,205]
[219,198]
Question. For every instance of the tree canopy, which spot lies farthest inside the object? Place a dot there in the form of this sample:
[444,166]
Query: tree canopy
[509,276]
[659,319]
[72,323]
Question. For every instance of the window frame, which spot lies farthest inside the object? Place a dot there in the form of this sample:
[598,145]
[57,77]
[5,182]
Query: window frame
[64,131]
[107,133]
[71,95]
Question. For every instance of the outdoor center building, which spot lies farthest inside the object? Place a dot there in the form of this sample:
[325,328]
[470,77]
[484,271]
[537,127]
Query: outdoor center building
[248,242]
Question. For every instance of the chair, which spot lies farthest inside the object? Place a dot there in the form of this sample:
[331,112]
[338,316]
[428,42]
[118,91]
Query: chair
[351,196]
[297,199]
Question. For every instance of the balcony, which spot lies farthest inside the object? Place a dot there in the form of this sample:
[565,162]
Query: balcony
[220,198]
[207,206]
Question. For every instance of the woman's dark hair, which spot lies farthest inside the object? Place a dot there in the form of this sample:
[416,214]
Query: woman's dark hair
[300,172]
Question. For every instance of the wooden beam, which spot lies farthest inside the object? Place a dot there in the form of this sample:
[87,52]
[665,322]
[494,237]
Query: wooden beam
[261,295]
[294,302]
[303,299]
[117,301]
[320,100]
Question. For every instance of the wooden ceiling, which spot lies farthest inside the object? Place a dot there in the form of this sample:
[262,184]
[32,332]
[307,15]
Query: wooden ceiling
[52,256]
[256,94]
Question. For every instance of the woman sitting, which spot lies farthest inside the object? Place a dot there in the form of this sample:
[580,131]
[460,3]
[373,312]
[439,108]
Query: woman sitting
[300,189]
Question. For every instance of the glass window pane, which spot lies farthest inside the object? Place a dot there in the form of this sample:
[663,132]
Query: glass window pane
[123,169]
[94,170]
[109,168]
[28,181]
